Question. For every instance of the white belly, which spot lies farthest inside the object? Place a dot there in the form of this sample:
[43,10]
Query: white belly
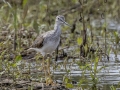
[50,46]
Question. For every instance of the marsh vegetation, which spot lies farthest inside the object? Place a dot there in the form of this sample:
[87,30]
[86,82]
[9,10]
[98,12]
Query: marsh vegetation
[88,57]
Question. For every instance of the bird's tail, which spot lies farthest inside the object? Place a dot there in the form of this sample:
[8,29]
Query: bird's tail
[30,49]
[33,49]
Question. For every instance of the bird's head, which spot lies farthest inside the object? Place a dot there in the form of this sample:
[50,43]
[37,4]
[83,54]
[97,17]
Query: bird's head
[61,20]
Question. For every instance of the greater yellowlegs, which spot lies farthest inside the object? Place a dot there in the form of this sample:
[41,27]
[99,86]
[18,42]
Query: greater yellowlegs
[47,42]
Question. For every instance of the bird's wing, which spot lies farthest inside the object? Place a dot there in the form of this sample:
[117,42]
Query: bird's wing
[38,43]
[48,34]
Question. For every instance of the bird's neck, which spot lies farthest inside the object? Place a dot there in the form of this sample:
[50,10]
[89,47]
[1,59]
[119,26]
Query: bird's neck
[57,28]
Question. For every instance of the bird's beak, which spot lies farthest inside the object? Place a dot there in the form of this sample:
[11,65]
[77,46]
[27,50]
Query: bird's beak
[66,23]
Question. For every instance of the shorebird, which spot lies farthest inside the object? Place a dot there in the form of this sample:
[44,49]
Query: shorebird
[47,42]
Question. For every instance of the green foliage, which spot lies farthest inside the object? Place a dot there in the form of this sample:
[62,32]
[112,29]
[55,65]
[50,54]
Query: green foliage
[68,82]
[25,20]
[117,38]
[112,88]
[24,3]
[35,26]
[79,40]
[18,58]
[93,69]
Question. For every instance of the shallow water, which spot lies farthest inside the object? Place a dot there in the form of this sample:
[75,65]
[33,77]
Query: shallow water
[108,76]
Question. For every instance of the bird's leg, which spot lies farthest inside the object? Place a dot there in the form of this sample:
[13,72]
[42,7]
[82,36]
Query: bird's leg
[49,79]
[48,65]
[43,62]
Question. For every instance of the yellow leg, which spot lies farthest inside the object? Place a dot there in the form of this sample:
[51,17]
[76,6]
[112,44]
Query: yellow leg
[48,66]
[44,68]
[49,77]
